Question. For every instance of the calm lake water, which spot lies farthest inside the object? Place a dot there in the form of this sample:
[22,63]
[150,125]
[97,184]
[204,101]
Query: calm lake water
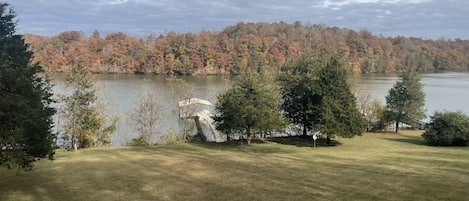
[444,91]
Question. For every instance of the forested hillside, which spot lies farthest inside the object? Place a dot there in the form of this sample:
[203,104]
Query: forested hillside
[245,47]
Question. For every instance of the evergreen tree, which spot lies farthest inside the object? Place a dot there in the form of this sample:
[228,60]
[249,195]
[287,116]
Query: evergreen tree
[447,129]
[85,124]
[338,113]
[248,107]
[406,100]
[300,94]
[25,98]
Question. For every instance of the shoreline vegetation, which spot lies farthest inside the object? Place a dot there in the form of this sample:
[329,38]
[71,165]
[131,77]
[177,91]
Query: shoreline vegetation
[370,167]
[243,48]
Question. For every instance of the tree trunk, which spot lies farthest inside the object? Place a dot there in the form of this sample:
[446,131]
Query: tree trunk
[397,125]
[305,131]
[328,140]
[248,136]
[74,144]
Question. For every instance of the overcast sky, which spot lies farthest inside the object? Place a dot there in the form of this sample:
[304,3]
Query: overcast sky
[432,19]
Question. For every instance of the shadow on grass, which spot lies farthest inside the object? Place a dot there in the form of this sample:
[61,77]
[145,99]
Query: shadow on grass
[301,141]
[257,146]
[263,146]
[417,140]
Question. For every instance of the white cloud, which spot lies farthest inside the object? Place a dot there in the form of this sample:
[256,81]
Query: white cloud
[341,3]
[425,18]
[111,2]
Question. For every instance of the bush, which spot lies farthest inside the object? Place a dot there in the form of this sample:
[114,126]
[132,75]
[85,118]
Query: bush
[139,141]
[448,129]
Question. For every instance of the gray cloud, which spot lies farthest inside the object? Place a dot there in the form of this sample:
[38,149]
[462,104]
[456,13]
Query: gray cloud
[419,18]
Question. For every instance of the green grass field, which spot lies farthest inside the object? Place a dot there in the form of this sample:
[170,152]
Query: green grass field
[370,167]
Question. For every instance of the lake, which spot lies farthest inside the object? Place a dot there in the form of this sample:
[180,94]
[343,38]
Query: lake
[444,91]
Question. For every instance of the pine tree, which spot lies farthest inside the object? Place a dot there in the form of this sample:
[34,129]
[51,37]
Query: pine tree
[25,98]
[406,100]
[85,124]
[339,113]
[248,107]
[300,94]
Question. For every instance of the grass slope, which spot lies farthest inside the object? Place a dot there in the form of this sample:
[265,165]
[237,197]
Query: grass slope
[371,167]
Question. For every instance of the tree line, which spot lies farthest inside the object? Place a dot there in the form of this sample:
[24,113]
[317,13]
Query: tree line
[245,48]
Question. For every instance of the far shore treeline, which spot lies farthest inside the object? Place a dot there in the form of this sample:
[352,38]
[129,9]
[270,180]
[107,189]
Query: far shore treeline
[245,48]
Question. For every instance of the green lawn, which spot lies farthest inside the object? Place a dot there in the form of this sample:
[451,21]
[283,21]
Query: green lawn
[371,167]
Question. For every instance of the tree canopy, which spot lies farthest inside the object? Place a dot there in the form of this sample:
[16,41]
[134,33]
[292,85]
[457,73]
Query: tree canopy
[84,122]
[248,107]
[338,114]
[406,100]
[244,48]
[25,98]
[447,129]
[301,97]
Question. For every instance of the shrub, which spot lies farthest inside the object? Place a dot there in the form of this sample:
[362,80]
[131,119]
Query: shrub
[139,141]
[448,129]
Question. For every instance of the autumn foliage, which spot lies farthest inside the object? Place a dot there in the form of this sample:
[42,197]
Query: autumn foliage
[245,47]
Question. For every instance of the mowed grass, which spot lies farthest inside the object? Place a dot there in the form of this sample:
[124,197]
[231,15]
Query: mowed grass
[370,167]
